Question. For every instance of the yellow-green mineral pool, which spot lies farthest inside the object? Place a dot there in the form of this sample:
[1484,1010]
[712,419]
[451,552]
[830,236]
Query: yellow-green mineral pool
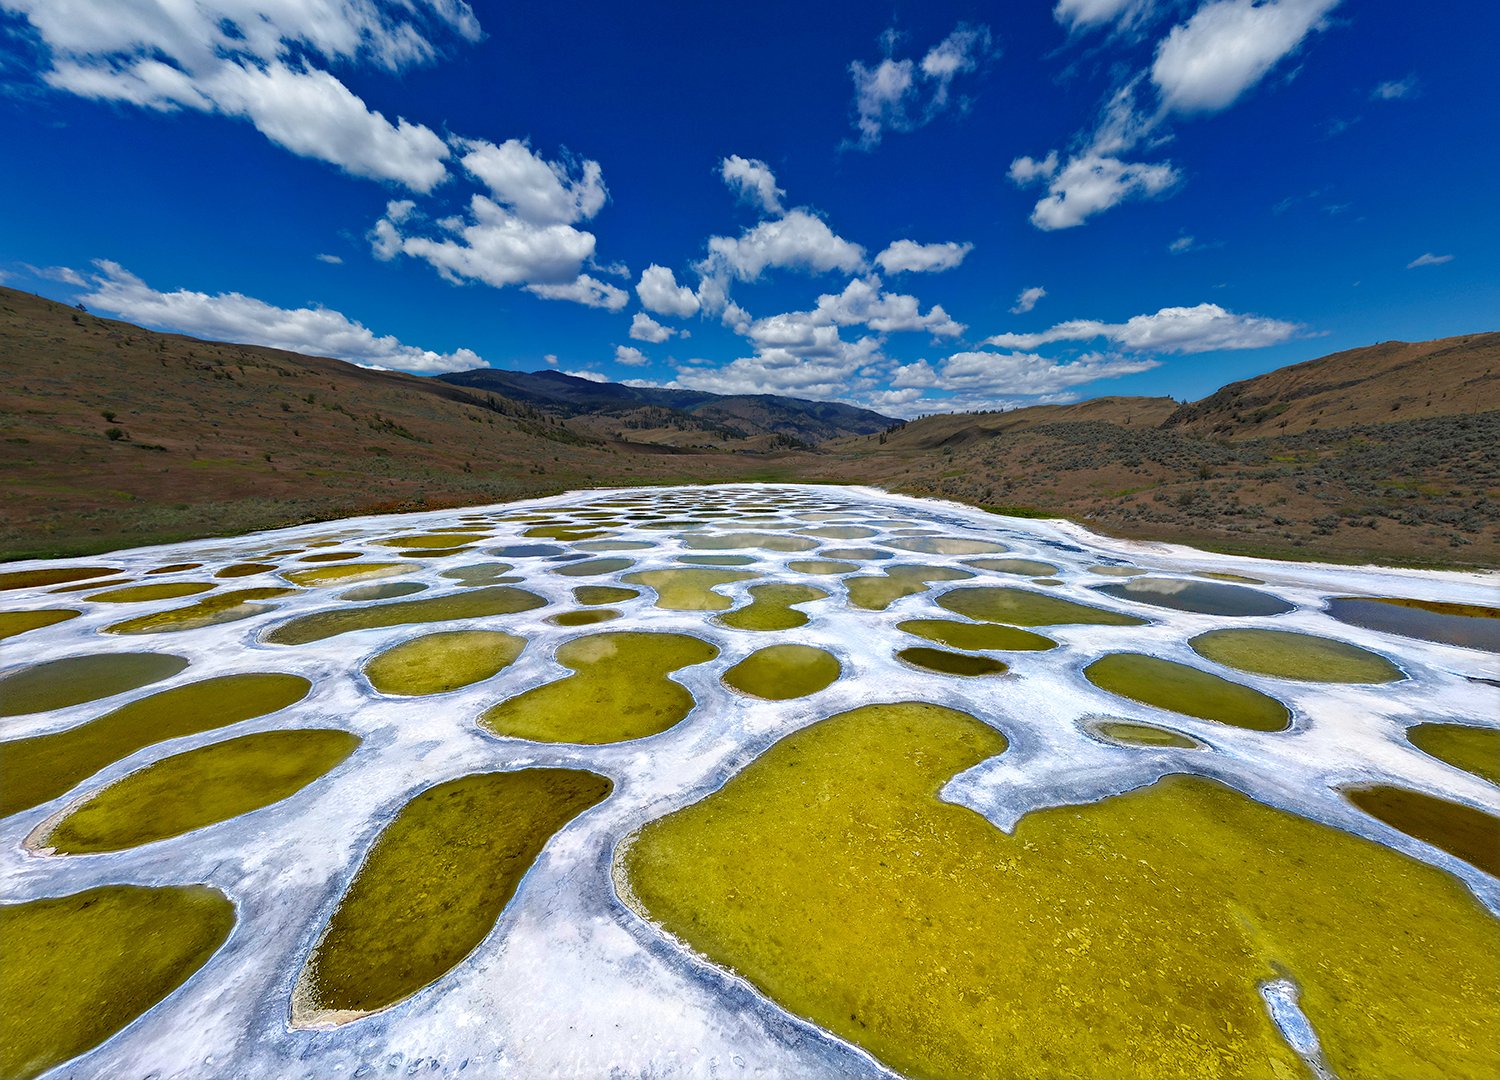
[620,689]
[438,663]
[1022,607]
[192,790]
[1125,938]
[1283,654]
[780,672]
[945,662]
[688,590]
[138,594]
[878,591]
[37,769]
[976,636]
[597,595]
[772,607]
[1132,734]
[1022,567]
[1179,688]
[73,680]
[1473,749]
[347,573]
[52,575]
[223,608]
[433,885]
[19,622]
[1463,831]
[471,604]
[127,948]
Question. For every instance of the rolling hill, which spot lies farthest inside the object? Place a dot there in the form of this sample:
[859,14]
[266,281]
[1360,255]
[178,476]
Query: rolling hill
[677,417]
[116,436]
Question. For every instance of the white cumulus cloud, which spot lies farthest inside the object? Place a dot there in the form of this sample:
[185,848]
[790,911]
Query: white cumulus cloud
[522,233]
[659,292]
[1206,63]
[1028,299]
[1014,373]
[1204,328]
[901,95]
[753,181]
[540,191]
[644,328]
[908,256]
[584,289]
[798,241]
[1091,184]
[630,356]
[265,61]
[313,331]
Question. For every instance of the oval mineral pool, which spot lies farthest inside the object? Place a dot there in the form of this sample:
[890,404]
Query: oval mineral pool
[1463,831]
[189,791]
[716,560]
[947,545]
[43,767]
[477,574]
[822,567]
[1022,607]
[594,595]
[857,554]
[780,672]
[1469,626]
[438,663]
[137,594]
[80,968]
[473,604]
[976,636]
[1202,597]
[619,690]
[594,567]
[60,684]
[52,575]
[1127,733]
[1182,689]
[385,591]
[348,573]
[526,551]
[1023,567]
[19,622]
[432,886]
[590,617]
[1473,749]
[245,569]
[1283,654]
[950,663]
[222,608]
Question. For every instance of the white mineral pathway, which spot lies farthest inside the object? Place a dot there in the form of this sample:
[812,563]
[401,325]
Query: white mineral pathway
[571,982]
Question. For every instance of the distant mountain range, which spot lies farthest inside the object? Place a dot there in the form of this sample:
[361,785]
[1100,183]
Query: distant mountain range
[115,436]
[678,417]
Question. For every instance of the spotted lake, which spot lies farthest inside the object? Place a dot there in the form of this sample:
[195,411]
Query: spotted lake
[744,780]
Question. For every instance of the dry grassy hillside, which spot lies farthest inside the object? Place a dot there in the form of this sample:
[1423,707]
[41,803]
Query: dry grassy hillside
[115,436]
[1378,384]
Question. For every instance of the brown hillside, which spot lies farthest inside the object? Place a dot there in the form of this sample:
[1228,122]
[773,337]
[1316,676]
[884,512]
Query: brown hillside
[116,436]
[1395,380]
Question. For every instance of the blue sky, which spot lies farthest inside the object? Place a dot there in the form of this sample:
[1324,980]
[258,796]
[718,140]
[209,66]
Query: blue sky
[912,207]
